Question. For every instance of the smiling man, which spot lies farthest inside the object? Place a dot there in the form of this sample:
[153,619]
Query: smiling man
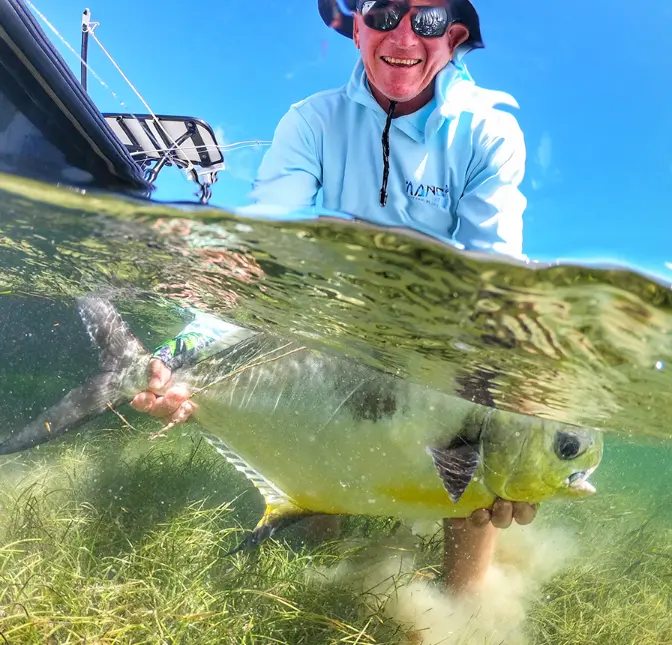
[449,166]
[450,163]
[402,58]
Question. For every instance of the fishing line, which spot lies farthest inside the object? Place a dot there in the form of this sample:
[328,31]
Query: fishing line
[248,366]
[230,147]
[69,46]
[267,358]
[224,147]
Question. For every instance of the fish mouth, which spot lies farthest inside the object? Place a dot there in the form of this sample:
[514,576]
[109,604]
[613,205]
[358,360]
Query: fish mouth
[578,481]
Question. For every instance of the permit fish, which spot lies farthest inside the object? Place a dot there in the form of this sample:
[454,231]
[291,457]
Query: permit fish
[322,434]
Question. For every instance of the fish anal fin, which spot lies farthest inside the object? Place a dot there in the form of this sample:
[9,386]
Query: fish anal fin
[275,519]
[280,510]
[456,464]
[272,495]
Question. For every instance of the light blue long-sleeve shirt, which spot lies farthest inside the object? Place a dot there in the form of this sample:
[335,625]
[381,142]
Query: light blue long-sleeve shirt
[455,165]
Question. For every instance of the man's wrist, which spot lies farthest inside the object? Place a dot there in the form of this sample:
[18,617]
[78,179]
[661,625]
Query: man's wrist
[174,352]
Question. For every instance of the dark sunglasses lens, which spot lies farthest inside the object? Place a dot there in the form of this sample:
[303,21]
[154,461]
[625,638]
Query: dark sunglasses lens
[381,15]
[430,22]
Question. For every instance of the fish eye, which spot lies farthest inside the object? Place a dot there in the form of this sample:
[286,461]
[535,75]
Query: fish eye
[567,445]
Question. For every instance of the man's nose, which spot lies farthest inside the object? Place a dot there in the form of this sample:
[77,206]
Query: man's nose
[403,35]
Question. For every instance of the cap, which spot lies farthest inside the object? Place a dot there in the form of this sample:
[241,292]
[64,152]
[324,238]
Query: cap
[338,14]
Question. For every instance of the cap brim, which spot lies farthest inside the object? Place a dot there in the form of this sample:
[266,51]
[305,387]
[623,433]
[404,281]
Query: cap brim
[463,11]
[334,18]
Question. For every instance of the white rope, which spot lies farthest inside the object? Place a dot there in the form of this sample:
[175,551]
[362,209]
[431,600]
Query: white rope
[190,167]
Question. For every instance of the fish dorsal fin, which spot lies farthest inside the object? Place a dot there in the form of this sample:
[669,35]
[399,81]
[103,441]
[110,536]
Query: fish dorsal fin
[272,495]
[456,464]
[117,344]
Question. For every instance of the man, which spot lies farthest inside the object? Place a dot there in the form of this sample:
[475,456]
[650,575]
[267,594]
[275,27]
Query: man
[450,166]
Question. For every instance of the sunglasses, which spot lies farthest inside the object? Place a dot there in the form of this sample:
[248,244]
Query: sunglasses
[385,15]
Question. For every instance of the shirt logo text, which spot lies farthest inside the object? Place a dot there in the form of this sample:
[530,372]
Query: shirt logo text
[435,195]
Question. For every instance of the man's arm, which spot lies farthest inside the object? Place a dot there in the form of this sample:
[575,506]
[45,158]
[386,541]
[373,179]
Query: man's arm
[201,337]
[290,174]
[289,177]
[490,211]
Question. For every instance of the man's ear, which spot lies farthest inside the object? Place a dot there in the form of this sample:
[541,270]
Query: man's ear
[457,34]
[355,32]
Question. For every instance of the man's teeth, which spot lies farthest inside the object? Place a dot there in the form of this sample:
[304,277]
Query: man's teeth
[401,61]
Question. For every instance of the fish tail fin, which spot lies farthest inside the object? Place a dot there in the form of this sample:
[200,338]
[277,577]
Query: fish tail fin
[119,350]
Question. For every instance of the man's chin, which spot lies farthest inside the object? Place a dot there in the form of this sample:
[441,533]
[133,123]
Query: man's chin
[401,95]
[400,92]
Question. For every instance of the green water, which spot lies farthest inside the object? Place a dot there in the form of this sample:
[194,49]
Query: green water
[112,537]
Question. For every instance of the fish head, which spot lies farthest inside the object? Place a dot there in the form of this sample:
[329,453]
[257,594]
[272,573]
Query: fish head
[528,459]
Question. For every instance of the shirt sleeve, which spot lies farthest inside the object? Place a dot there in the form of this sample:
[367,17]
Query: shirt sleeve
[203,336]
[490,211]
[290,174]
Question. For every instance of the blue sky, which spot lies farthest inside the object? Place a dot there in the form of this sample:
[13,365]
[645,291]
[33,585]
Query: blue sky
[592,80]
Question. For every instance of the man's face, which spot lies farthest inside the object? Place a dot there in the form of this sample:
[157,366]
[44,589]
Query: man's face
[399,63]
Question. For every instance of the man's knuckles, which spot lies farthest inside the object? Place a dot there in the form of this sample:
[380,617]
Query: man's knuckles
[143,401]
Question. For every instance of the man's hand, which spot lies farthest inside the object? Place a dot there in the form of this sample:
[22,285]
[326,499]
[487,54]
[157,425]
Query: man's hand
[172,404]
[502,515]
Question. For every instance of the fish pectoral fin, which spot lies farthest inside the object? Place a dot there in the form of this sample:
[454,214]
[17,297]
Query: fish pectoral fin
[456,465]
[275,518]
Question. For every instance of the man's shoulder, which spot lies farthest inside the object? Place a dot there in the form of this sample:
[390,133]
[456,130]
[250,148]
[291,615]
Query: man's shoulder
[322,102]
[491,113]
[496,124]
[313,116]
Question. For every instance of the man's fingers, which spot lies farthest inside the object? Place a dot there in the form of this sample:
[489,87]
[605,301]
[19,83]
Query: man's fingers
[182,413]
[524,513]
[159,375]
[480,517]
[167,404]
[143,402]
[502,514]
